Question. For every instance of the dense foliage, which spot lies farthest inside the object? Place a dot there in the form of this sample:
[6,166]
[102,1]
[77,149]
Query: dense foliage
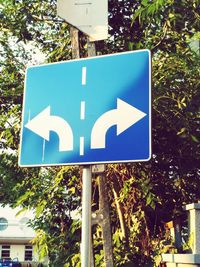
[142,196]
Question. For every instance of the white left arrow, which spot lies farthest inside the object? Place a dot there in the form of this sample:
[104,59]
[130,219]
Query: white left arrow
[43,123]
[124,116]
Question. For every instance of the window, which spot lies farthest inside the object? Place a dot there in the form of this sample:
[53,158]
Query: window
[28,253]
[5,251]
[3,224]
[23,223]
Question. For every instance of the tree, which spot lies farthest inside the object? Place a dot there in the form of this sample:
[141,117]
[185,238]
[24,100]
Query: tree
[144,195]
[161,187]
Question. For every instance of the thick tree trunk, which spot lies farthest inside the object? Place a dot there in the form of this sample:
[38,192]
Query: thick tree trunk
[74,42]
[91,49]
[105,224]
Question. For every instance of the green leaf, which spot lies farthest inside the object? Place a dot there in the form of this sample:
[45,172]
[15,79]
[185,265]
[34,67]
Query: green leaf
[194,138]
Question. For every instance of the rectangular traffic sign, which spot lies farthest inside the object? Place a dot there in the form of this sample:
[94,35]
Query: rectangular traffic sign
[91,17]
[88,111]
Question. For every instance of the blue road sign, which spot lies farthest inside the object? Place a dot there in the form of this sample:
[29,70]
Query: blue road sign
[88,111]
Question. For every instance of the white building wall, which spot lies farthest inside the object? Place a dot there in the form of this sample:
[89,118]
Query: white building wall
[17,234]
[16,228]
[17,251]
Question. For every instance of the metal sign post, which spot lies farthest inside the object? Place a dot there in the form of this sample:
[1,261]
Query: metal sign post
[86,217]
[86,230]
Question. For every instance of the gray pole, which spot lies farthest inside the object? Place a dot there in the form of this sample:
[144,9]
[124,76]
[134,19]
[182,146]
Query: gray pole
[86,217]
[91,53]
[103,200]
[86,232]
[91,49]
[86,181]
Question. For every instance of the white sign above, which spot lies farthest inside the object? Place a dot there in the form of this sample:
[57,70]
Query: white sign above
[89,16]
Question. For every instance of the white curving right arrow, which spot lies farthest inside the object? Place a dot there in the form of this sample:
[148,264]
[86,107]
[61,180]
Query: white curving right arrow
[124,117]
